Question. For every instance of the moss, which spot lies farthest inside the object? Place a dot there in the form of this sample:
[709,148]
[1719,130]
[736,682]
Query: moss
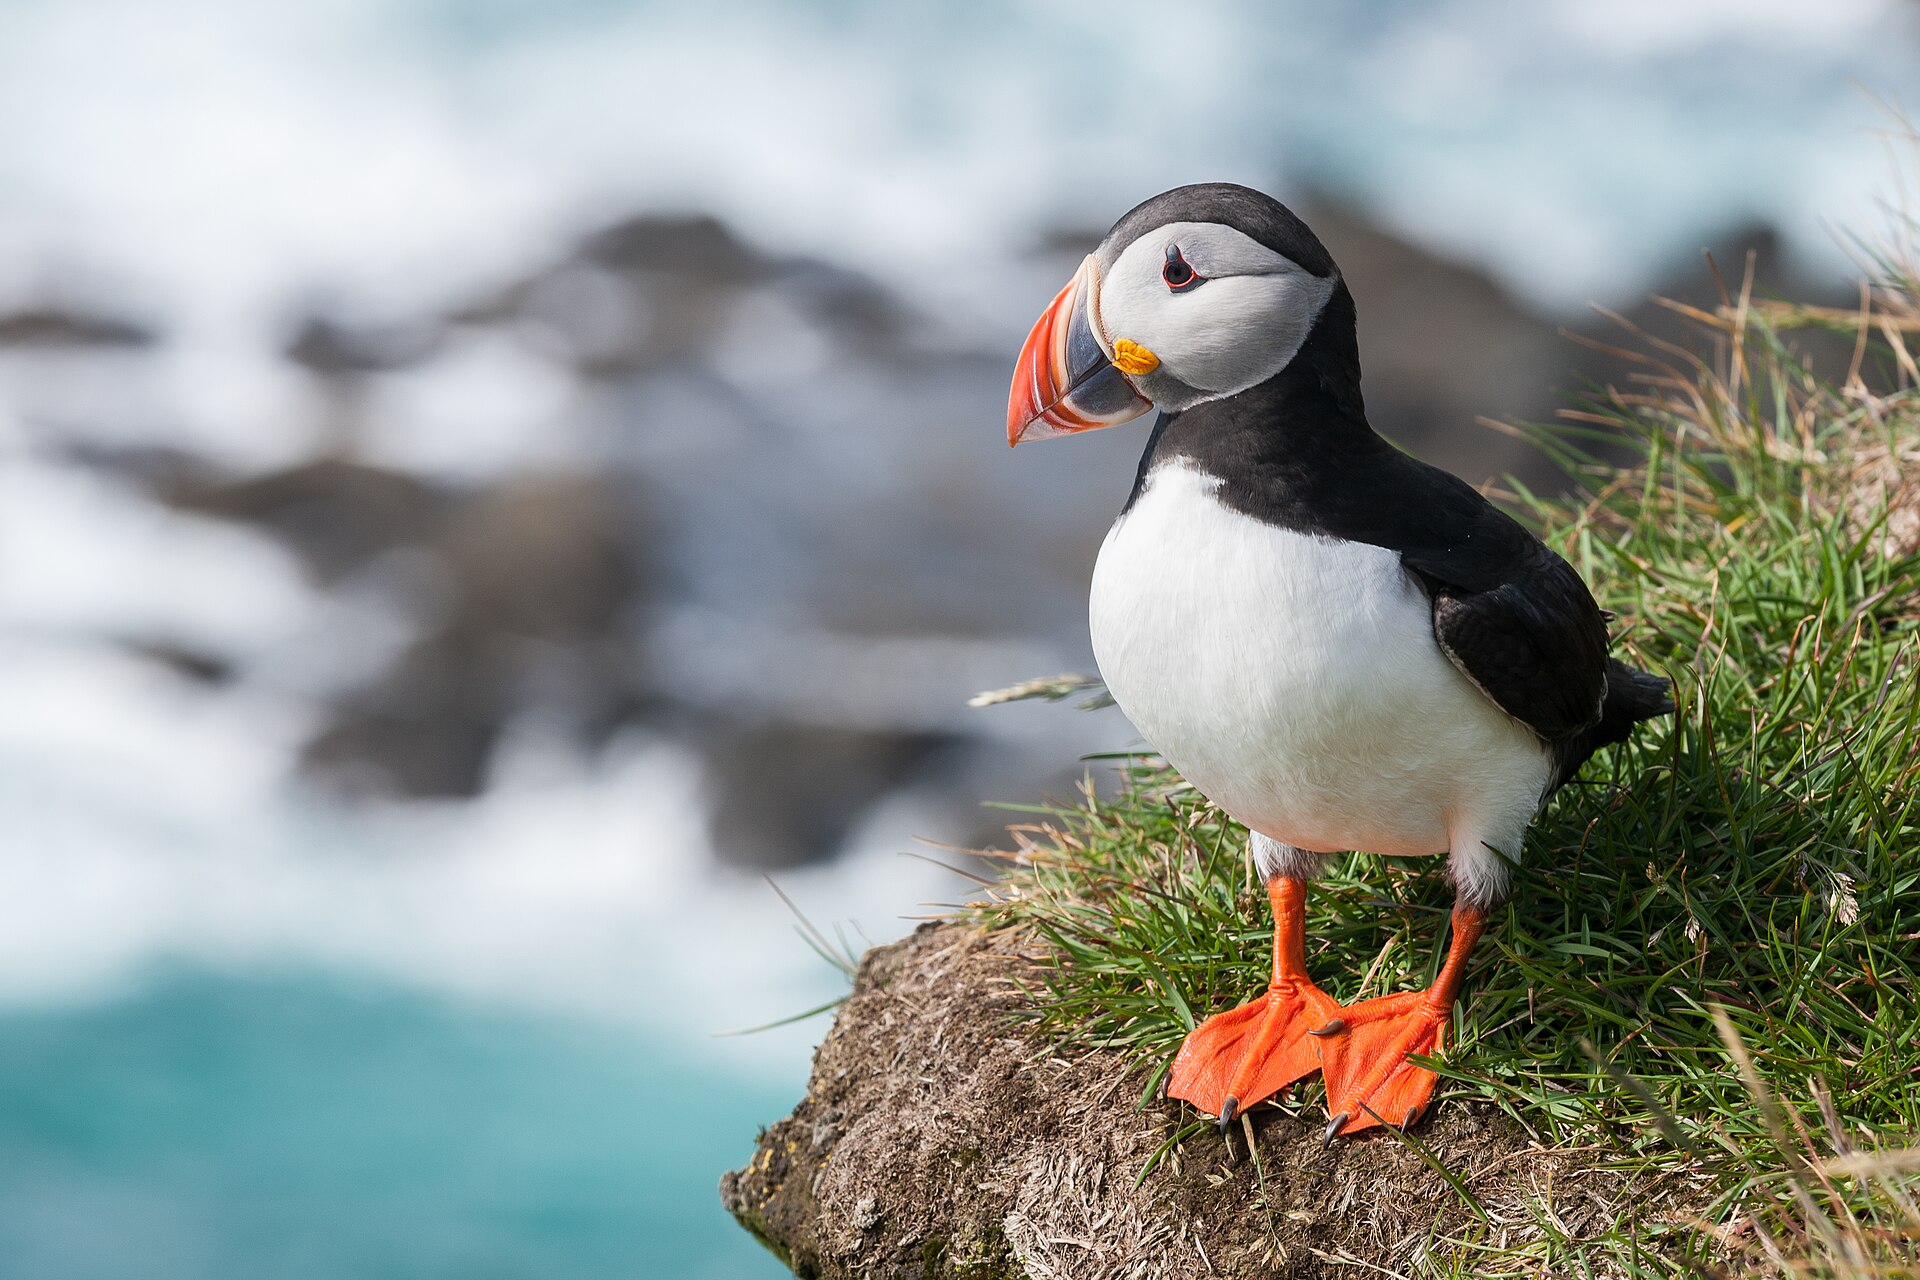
[988,1257]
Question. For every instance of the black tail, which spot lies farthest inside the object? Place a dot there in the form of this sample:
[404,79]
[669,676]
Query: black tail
[1632,696]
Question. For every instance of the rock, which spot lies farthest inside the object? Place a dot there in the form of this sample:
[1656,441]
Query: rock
[785,792]
[541,590]
[428,729]
[696,246]
[527,594]
[335,347]
[938,1140]
[650,292]
[52,325]
[334,513]
[193,662]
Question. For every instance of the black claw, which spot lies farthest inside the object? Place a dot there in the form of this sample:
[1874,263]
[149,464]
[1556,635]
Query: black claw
[1333,1128]
[1333,1028]
[1413,1118]
[1227,1110]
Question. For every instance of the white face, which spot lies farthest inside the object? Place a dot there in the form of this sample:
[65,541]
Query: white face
[1240,324]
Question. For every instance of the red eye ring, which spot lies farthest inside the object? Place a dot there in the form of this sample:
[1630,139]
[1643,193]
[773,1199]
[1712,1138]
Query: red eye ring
[1178,272]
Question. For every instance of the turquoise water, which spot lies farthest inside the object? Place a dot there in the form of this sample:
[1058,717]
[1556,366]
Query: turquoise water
[214,1127]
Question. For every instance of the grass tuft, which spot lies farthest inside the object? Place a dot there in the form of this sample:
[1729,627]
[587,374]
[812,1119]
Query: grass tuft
[1709,966]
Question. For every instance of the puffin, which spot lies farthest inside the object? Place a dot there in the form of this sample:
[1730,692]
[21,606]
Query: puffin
[1339,645]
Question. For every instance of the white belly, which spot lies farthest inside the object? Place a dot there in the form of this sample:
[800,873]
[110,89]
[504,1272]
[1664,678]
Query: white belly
[1295,680]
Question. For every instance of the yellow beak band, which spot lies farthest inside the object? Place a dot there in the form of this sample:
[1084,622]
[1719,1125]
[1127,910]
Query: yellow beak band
[1132,359]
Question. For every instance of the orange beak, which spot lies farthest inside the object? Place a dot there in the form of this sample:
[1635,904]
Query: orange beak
[1066,381]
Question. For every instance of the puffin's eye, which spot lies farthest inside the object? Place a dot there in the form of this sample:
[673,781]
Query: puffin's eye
[1178,273]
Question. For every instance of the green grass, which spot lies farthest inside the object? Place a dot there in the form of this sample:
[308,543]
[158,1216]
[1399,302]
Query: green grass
[1757,854]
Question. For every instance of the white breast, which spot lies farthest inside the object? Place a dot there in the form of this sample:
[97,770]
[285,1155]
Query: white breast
[1295,680]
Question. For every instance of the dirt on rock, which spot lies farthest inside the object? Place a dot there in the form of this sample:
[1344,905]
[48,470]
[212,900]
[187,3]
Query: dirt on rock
[937,1140]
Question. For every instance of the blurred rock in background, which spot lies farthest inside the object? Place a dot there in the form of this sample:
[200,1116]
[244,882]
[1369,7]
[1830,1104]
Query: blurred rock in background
[757,504]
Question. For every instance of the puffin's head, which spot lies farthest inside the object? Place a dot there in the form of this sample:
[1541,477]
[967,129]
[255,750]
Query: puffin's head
[1197,294]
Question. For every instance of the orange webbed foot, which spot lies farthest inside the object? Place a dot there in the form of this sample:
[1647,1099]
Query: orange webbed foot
[1245,1055]
[1369,1080]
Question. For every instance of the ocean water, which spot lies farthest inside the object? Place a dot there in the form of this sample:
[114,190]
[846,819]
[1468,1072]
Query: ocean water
[245,1034]
[289,1125]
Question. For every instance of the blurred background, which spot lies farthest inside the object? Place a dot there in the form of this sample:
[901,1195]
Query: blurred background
[484,483]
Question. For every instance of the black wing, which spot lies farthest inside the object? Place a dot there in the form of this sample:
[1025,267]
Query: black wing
[1509,613]
[1535,643]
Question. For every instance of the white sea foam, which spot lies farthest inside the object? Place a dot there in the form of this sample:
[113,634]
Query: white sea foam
[482,409]
[83,555]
